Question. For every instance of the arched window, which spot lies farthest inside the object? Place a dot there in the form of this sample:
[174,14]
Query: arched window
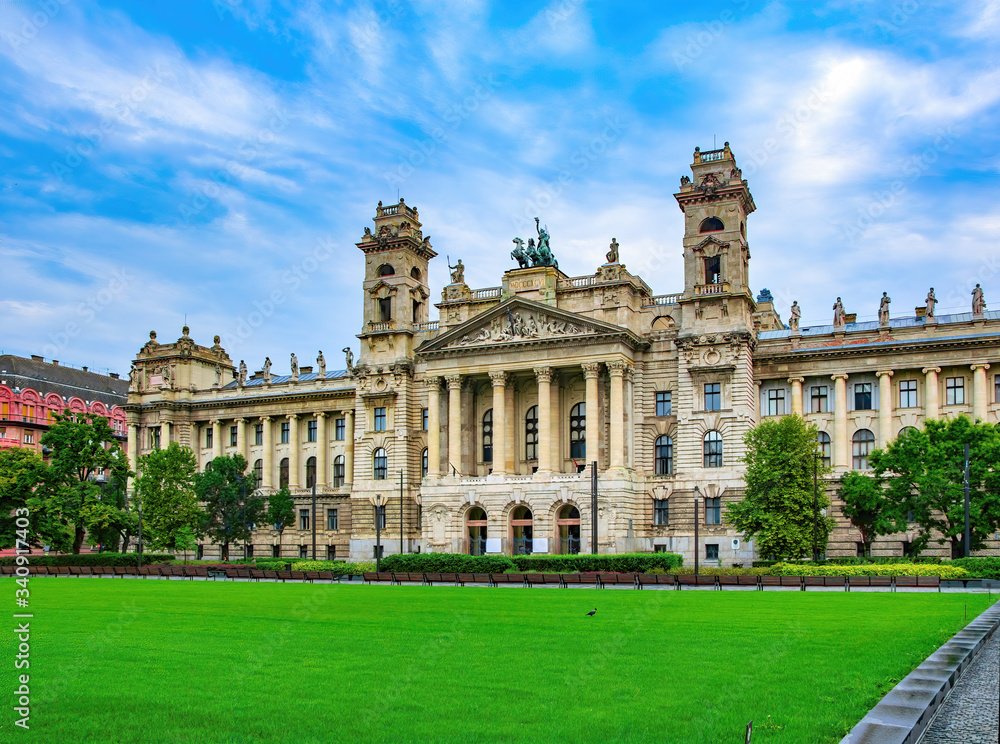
[386,270]
[338,471]
[521,531]
[713,449]
[380,464]
[415,273]
[864,442]
[578,431]
[423,463]
[310,472]
[663,455]
[531,434]
[906,431]
[475,523]
[568,526]
[283,473]
[258,473]
[488,436]
[712,224]
[824,448]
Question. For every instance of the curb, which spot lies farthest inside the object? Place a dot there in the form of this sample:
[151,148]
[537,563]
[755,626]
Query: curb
[902,716]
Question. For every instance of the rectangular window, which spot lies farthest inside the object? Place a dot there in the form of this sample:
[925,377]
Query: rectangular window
[659,548]
[208,437]
[304,552]
[258,434]
[713,511]
[338,472]
[234,435]
[154,437]
[331,552]
[862,396]
[954,390]
[711,551]
[908,394]
[311,431]
[379,419]
[340,430]
[776,402]
[331,519]
[713,396]
[996,389]
[249,551]
[423,419]
[661,512]
[819,399]
[275,551]
[303,519]
[286,432]
[380,516]
[713,270]
[29,438]
[663,403]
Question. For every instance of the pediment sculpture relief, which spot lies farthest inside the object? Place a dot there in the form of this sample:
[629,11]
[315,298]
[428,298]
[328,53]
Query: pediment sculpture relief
[519,326]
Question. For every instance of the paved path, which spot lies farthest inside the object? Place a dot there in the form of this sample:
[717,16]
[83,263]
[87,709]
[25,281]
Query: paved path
[969,715]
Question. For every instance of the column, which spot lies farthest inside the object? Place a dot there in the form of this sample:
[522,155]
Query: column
[616,370]
[980,393]
[555,426]
[242,445]
[931,406]
[433,427]
[293,451]
[590,373]
[840,449]
[349,447]
[499,380]
[630,410]
[510,435]
[216,438]
[797,407]
[267,481]
[322,451]
[884,407]
[454,424]
[133,447]
[544,377]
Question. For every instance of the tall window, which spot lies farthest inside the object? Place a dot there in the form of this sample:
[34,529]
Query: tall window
[488,436]
[661,513]
[154,437]
[713,270]
[423,463]
[862,396]
[283,473]
[311,430]
[864,442]
[310,472]
[234,435]
[819,399]
[380,464]
[258,473]
[908,394]
[423,419]
[776,402]
[303,519]
[954,390]
[578,431]
[379,419]
[331,519]
[338,471]
[713,450]
[663,456]
[385,309]
[286,431]
[531,434]
[568,525]
[340,430]
[258,434]
[996,389]
[713,396]
[824,448]
[663,403]
[713,511]
[208,436]
[475,525]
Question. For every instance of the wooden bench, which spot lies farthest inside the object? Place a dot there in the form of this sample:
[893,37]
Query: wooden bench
[123,571]
[590,578]
[841,581]
[728,581]
[747,581]
[667,580]
[533,578]
[554,579]
[467,578]
[614,579]
[573,578]
[507,578]
[929,581]
[79,570]
[881,581]
[790,581]
[643,580]
[312,576]
[410,578]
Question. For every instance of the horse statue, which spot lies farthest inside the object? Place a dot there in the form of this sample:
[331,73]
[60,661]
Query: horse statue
[520,255]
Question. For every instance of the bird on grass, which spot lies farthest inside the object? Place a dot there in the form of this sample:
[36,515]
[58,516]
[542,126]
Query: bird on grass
[592,612]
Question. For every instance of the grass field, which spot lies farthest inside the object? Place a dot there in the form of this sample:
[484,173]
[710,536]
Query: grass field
[167,661]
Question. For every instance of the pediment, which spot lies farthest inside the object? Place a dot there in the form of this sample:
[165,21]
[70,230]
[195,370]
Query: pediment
[711,246]
[519,321]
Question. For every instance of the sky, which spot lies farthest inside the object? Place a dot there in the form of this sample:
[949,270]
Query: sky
[172,161]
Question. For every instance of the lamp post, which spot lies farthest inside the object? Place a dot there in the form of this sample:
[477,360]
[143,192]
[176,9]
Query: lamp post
[139,503]
[102,480]
[400,512]
[967,538]
[697,498]
[314,516]
[378,533]
[815,505]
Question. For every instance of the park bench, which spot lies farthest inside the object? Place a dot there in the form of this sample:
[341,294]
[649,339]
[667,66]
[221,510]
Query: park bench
[590,578]
[880,581]
[270,574]
[573,578]
[790,581]
[554,579]
[609,579]
[311,576]
[298,575]
[481,578]
[410,578]
[284,575]
[855,581]
[533,578]
[147,571]
[747,581]
[642,580]
[59,571]
[467,578]
[906,582]
[699,580]
[737,581]
[38,570]
[7,570]
[326,575]
[190,572]
[507,578]
[929,581]
[79,570]
[842,581]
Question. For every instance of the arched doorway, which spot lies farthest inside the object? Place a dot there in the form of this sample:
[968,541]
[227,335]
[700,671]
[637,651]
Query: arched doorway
[521,531]
[568,530]
[475,525]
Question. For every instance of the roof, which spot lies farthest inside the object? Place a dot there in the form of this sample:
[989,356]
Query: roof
[279,379]
[67,382]
[872,325]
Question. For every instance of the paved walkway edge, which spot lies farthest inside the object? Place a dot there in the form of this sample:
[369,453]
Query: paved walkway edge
[907,709]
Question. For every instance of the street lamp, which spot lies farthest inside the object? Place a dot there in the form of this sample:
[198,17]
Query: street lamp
[102,480]
[378,532]
[697,498]
[816,456]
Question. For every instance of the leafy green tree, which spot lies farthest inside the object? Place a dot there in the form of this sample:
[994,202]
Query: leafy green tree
[778,510]
[924,472]
[280,510]
[82,447]
[21,470]
[185,539]
[165,488]
[231,504]
[867,507]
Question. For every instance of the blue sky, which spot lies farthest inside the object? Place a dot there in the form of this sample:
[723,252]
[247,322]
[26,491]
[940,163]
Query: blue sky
[163,159]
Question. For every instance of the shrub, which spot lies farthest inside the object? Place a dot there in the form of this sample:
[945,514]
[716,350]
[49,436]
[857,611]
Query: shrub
[895,569]
[980,568]
[622,563]
[339,568]
[91,559]
[447,562]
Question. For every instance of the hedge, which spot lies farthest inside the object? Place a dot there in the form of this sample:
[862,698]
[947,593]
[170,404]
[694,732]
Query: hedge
[615,563]
[896,569]
[980,568]
[90,559]
[852,561]
[339,568]
[447,562]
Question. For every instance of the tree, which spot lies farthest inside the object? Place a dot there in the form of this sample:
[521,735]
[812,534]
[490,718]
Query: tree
[165,488]
[778,510]
[231,505]
[20,472]
[924,472]
[185,539]
[82,447]
[280,510]
[867,508]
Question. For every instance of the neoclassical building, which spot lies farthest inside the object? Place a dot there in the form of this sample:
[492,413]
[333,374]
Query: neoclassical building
[472,433]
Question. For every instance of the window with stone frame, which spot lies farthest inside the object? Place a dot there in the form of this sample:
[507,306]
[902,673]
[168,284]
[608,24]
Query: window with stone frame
[339,429]
[487,436]
[423,418]
[713,396]
[663,403]
[331,552]
[819,399]
[578,431]
[379,464]
[663,455]
[286,432]
[380,419]
[825,448]
[283,473]
[303,519]
[713,511]
[258,473]
[862,396]
[661,512]
[713,270]
[531,434]
[380,516]
[208,437]
[304,552]
[713,449]
[338,471]
[310,472]
[423,463]
[331,519]
[385,309]
[154,437]
[996,389]
[258,434]
[312,430]
[954,391]
[711,551]
[234,435]
[863,443]
[776,402]
[908,394]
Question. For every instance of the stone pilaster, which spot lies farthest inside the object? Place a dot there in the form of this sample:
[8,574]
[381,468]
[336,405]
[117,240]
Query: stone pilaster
[884,407]
[433,427]
[241,439]
[499,380]
[980,391]
[840,448]
[322,451]
[349,447]
[932,405]
[544,377]
[616,370]
[133,447]
[216,438]
[591,372]
[797,406]
[267,466]
[293,451]
[454,423]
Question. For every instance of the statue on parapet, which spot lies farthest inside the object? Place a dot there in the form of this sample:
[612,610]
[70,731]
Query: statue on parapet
[839,316]
[795,314]
[612,254]
[348,357]
[545,257]
[267,370]
[241,378]
[883,310]
[978,303]
[930,302]
[321,366]
[295,366]
[457,273]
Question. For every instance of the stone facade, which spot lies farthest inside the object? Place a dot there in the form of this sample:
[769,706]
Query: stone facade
[471,433]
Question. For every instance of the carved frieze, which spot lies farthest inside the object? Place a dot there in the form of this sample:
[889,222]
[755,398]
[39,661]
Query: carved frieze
[521,326]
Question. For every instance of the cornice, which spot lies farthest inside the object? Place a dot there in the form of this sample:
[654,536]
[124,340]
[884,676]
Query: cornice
[866,349]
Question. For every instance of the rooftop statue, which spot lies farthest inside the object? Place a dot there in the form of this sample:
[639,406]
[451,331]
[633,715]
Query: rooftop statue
[612,254]
[931,301]
[796,313]
[532,255]
[883,310]
[457,273]
[765,296]
[978,303]
[839,316]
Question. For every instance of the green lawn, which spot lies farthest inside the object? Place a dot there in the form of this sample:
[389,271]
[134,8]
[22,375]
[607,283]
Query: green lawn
[167,661]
